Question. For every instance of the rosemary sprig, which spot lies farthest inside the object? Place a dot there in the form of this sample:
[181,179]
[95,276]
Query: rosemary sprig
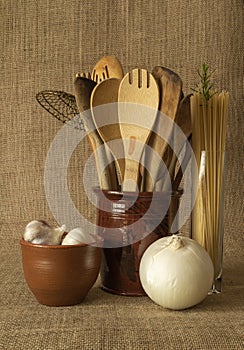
[206,85]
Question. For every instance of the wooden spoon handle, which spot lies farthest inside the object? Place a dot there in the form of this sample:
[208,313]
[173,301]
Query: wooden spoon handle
[104,164]
[131,175]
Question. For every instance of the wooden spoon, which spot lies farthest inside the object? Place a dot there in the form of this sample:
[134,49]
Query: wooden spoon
[138,103]
[107,67]
[170,87]
[107,121]
[83,89]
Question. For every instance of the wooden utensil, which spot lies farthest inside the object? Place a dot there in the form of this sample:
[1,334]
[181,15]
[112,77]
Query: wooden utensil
[138,103]
[177,180]
[170,87]
[183,120]
[107,175]
[106,120]
[107,67]
[84,75]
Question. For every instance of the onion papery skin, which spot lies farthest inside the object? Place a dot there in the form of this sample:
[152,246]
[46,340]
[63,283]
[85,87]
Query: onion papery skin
[176,278]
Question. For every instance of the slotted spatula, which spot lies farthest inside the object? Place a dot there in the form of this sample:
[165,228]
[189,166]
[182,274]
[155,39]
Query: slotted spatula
[106,120]
[107,67]
[137,109]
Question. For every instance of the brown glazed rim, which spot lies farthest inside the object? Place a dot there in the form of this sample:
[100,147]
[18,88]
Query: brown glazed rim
[177,192]
[97,190]
[46,246]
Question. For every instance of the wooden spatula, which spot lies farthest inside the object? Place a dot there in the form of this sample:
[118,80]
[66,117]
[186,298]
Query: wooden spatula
[183,120]
[179,175]
[170,87]
[83,89]
[107,67]
[138,104]
[107,121]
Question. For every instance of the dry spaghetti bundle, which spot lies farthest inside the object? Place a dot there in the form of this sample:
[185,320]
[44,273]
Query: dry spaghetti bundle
[208,142]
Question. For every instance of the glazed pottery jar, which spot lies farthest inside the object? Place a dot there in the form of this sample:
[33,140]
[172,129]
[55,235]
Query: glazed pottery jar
[128,223]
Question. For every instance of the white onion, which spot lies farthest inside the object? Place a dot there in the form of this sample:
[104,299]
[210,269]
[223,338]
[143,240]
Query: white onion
[176,272]
[77,236]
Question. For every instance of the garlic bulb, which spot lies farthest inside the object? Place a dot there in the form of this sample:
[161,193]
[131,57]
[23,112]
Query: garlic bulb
[77,236]
[40,232]
[176,272]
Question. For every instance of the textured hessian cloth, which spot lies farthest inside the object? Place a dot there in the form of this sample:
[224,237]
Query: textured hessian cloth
[43,45]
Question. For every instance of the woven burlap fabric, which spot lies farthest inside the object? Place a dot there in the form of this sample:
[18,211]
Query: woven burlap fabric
[43,44]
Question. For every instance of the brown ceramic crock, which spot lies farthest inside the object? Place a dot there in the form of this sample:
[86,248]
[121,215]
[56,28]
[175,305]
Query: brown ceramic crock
[60,275]
[116,211]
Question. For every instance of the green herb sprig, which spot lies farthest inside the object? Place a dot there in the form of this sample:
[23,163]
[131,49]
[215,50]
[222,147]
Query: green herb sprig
[205,87]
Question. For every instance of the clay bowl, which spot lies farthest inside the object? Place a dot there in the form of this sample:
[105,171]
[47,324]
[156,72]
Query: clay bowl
[60,275]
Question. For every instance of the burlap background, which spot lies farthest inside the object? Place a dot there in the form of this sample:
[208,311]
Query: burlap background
[43,44]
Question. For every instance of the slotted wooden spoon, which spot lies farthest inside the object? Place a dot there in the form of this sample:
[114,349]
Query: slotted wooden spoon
[107,67]
[137,109]
[83,90]
[170,87]
[107,121]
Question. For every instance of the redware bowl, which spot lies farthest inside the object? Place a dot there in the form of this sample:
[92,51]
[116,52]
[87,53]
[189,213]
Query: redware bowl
[60,275]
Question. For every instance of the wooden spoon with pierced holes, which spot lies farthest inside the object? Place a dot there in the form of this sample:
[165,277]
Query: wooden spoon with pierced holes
[138,104]
[107,121]
[170,87]
[107,177]
[107,67]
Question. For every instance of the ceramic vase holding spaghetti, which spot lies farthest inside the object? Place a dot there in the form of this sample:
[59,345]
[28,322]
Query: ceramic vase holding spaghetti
[208,142]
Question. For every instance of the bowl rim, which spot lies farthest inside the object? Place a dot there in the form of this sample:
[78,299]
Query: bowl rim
[46,246]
